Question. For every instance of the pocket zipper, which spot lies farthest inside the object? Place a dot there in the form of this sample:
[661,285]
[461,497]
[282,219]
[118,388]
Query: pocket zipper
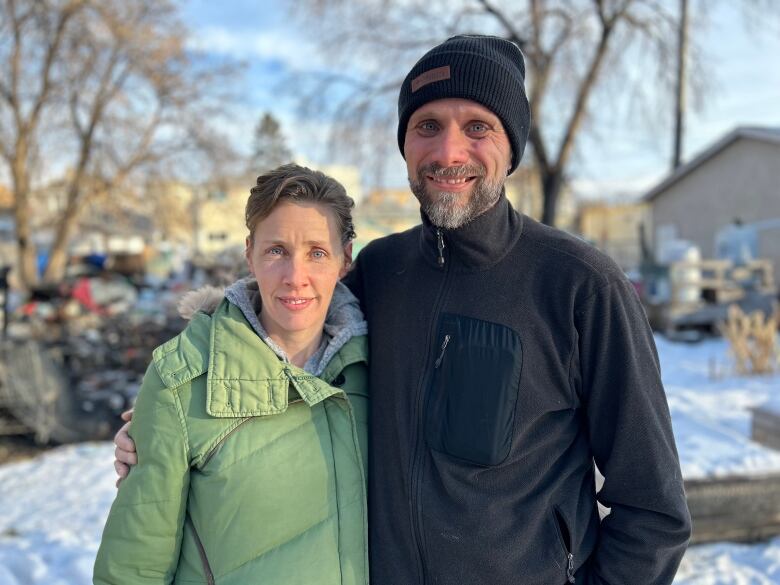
[207,572]
[565,534]
[443,349]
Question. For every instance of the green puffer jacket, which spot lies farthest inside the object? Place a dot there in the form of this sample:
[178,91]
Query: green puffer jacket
[250,470]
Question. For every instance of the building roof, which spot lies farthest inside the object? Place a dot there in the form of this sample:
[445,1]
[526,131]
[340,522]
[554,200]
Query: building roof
[762,133]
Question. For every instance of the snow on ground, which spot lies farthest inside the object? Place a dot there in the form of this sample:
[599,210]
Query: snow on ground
[52,511]
[711,417]
[52,508]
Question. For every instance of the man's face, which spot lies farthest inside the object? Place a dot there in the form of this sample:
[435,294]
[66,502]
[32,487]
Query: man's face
[457,158]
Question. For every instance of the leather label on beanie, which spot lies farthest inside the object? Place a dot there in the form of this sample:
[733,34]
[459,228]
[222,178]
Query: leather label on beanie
[438,74]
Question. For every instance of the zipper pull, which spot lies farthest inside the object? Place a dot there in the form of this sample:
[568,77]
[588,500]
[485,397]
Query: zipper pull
[570,569]
[440,245]
[441,354]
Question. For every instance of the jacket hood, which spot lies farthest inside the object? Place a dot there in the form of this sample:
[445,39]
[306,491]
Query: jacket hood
[344,319]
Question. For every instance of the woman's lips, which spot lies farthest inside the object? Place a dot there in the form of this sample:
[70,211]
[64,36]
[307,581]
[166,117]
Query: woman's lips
[295,303]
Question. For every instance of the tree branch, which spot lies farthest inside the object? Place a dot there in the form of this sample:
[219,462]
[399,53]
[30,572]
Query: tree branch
[512,33]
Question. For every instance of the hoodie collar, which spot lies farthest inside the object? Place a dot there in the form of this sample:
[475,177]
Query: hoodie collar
[479,244]
[344,320]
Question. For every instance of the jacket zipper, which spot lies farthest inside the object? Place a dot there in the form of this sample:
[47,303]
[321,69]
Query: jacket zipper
[215,449]
[356,446]
[364,482]
[570,569]
[419,417]
[440,247]
[565,534]
[202,552]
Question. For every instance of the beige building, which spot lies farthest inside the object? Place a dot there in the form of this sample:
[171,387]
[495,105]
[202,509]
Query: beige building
[385,211]
[347,175]
[220,217]
[523,189]
[737,177]
[615,229]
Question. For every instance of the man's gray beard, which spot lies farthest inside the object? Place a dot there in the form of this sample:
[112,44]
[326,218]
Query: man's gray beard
[442,208]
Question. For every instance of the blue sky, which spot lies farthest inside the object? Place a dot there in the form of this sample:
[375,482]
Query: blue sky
[625,156]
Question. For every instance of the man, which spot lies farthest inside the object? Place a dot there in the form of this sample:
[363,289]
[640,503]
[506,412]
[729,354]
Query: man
[506,357]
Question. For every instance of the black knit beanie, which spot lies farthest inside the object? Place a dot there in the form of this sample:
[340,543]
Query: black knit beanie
[487,70]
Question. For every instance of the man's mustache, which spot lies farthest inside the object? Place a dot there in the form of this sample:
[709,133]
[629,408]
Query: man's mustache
[439,171]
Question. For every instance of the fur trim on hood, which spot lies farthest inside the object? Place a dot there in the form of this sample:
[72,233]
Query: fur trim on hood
[205,299]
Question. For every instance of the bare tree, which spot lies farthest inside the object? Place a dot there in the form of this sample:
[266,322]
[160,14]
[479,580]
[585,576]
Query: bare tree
[570,48]
[97,91]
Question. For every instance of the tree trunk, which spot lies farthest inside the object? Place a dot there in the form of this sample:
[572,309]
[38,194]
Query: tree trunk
[551,187]
[27,267]
[58,260]
[58,256]
[682,57]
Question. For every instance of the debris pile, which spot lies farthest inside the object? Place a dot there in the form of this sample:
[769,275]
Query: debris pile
[75,356]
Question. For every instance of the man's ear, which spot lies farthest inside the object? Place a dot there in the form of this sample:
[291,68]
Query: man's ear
[347,260]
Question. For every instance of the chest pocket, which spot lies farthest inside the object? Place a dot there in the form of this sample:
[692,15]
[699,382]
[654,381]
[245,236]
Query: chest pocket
[472,397]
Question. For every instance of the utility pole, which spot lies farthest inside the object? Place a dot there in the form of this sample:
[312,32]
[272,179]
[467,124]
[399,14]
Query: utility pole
[682,57]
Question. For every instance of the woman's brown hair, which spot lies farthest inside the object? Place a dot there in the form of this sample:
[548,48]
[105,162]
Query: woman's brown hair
[295,183]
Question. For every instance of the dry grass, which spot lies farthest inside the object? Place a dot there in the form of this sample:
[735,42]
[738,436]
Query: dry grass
[753,340]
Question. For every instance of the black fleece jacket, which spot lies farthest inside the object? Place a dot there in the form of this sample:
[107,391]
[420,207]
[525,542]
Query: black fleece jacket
[506,357]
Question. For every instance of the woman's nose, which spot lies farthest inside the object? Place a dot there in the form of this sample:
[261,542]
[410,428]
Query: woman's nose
[295,275]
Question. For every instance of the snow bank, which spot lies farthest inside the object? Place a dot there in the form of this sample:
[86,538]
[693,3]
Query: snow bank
[53,507]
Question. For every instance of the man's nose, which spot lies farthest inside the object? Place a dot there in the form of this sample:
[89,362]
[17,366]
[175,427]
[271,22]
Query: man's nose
[452,147]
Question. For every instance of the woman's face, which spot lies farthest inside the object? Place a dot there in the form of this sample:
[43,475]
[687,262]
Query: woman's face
[297,258]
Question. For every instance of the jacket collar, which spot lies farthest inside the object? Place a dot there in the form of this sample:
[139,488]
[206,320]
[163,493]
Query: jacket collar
[246,378]
[477,245]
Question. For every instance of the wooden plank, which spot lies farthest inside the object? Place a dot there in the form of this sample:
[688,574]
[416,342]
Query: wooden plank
[765,428]
[737,508]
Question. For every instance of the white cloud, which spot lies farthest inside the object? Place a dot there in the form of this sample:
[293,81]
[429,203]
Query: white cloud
[270,45]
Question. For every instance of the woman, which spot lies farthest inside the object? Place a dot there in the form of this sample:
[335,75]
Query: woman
[250,426]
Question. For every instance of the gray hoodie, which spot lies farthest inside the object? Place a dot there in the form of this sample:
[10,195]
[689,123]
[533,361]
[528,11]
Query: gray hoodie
[343,321]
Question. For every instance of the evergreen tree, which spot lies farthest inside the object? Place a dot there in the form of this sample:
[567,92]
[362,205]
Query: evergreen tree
[269,149]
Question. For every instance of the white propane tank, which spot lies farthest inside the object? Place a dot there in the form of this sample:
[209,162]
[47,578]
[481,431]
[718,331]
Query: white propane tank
[686,281]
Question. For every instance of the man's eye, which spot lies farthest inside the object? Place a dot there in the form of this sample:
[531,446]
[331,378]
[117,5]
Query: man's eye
[428,127]
[275,251]
[318,254]
[478,128]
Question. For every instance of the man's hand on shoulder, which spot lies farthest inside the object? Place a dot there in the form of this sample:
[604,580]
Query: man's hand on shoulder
[125,455]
